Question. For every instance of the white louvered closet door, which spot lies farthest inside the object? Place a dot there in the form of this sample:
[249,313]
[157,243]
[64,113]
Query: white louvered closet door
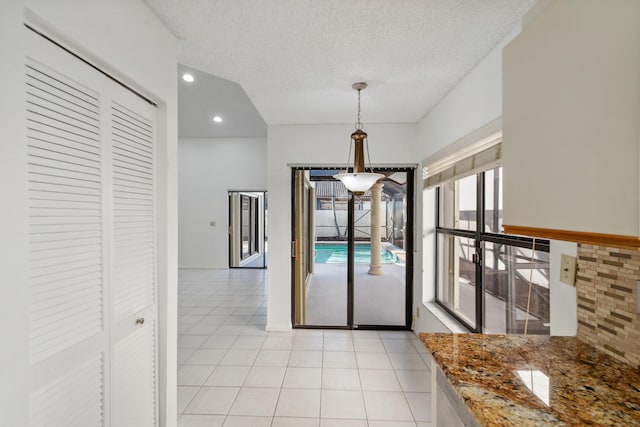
[90,157]
[68,325]
[133,289]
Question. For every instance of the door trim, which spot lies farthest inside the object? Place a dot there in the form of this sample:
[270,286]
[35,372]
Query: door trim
[409,235]
[261,229]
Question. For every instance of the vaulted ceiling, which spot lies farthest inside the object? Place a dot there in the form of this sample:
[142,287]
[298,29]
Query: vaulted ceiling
[296,59]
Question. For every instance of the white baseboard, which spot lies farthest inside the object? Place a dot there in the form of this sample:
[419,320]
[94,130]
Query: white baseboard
[278,327]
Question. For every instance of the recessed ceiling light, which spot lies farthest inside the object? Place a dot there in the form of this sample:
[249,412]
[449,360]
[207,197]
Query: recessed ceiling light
[188,77]
[217,119]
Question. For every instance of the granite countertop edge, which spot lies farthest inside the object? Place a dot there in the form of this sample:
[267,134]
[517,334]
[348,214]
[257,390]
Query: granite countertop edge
[516,380]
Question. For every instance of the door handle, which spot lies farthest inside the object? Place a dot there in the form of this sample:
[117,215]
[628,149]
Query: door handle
[140,321]
[476,258]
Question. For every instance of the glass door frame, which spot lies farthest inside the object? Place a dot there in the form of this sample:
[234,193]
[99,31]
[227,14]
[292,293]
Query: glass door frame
[258,226]
[409,236]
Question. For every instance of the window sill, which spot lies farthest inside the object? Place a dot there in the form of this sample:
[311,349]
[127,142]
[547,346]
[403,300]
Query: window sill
[445,318]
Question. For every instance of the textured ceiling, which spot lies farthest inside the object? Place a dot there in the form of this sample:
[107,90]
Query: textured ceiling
[210,96]
[297,59]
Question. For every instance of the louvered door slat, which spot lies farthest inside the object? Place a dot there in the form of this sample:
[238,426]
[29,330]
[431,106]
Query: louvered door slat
[122,140]
[43,169]
[36,195]
[51,98]
[61,190]
[126,114]
[37,132]
[55,245]
[133,121]
[76,309]
[134,128]
[39,98]
[49,288]
[53,250]
[67,333]
[131,128]
[61,112]
[123,148]
[64,204]
[61,293]
[127,138]
[135,248]
[47,109]
[127,184]
[124,151]
[132,167]
[64,257]
[79,154]
[54,80]
[64,159]
[136,238]
[58,126]
[72,236]
[39,128]
[55,175]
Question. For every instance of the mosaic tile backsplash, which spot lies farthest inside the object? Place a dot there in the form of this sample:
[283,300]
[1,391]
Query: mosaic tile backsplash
[606,289]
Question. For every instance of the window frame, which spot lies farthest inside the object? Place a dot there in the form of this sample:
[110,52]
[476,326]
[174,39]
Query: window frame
[479,235]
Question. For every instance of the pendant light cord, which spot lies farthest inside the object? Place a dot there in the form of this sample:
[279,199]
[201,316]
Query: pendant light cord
[349,155]
[359,123]
[359,126]
[369,158]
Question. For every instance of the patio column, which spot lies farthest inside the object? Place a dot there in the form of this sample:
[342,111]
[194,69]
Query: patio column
[375,267]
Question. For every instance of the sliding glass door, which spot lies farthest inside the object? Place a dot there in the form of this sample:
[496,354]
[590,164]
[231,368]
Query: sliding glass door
[380,253]
[247,229]
[354,250]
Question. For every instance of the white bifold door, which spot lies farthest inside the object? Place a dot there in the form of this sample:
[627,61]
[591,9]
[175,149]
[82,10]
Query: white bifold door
[92,245]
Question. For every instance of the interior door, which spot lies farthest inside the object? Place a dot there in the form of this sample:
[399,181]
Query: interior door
[68,288]
[133,255]
[91,194]
[247,229]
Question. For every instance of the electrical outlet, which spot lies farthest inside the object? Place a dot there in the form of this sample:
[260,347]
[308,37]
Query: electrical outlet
[568,269]
[212,223]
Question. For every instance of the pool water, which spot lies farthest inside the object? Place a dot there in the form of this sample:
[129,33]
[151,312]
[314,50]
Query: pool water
[330,253]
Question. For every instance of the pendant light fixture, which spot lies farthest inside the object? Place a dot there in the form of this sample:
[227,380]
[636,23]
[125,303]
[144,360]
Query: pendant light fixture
[359,180]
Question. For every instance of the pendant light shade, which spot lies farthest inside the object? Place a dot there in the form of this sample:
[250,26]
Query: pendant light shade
[358,181]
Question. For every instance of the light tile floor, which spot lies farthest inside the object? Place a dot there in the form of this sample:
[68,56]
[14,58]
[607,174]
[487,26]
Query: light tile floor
[232,373]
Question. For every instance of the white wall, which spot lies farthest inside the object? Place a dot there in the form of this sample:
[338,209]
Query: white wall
[208,169]
[571,120]
[471,104]
[126,39]
[13,224]
[314,145]
[564,308]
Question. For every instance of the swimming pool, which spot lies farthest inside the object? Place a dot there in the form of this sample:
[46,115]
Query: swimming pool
[336,253]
